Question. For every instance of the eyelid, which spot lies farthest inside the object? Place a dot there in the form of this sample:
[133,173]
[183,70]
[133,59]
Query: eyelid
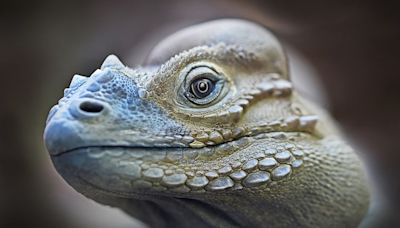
[199,71]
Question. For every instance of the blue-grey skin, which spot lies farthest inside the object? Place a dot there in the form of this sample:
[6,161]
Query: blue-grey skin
[252,153]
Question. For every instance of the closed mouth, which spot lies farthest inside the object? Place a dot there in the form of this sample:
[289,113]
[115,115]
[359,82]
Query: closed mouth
[240,142]
[116,147]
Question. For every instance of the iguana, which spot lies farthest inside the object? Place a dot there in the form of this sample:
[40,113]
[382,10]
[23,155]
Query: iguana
[209,132]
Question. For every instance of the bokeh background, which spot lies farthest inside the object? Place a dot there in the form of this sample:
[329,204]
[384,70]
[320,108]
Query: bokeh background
[354,47]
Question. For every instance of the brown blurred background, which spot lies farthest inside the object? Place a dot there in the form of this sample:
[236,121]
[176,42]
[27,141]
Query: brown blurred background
[353,45]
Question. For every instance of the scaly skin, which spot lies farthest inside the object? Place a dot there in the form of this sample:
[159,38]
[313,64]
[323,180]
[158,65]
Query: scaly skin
[252,153]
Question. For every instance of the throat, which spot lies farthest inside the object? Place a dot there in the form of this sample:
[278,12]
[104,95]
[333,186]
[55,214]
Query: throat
[182,212]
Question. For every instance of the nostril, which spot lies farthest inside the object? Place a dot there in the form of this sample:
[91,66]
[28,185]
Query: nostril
[90,106]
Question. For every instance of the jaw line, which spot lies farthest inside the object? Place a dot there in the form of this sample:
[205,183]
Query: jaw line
[139,193]
[76,149]
[169,148]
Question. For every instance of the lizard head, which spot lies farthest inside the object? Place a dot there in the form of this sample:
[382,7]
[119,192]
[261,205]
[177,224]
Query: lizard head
[212,111]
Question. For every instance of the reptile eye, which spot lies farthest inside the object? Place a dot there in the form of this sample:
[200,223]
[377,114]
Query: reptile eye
[202,87]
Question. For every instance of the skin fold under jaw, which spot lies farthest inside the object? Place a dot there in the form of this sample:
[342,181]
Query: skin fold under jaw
[209,132]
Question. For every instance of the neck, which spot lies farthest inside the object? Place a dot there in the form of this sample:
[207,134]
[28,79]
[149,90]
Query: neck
[179,212]
[235,210]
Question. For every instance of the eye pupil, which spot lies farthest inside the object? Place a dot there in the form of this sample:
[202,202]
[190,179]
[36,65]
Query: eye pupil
[202,87]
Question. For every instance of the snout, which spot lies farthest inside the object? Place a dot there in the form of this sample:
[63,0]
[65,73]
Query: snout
[69,128]
[61,136]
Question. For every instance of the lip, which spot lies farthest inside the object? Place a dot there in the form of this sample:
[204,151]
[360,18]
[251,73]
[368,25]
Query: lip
[229,146]
[120,147]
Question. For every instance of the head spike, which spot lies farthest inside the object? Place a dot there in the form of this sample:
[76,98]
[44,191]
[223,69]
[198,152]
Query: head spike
[77,81]
[113,62]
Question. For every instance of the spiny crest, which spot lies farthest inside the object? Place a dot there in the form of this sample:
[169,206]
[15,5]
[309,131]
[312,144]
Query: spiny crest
[112,61]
